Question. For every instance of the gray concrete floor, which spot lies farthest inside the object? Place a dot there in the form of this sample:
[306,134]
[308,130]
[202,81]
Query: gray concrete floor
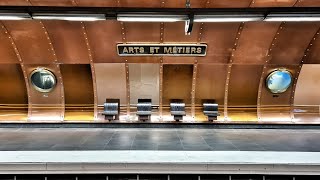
[25,139]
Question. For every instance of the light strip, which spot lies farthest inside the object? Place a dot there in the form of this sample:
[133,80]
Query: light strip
[69,17]
[14,16]
[229,18]
[292,17]
[151,18]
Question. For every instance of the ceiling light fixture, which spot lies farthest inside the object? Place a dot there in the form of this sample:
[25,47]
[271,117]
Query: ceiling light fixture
[69,17]
[293,17]
[151,18]
[228,18]
[14,16]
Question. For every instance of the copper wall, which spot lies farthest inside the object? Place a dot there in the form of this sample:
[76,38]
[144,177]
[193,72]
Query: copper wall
[78,91]
[177,82]
[307,96]
[13,93]
[111,84]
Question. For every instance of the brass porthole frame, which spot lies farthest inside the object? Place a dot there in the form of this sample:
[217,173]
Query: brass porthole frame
[38,88]
[272,73]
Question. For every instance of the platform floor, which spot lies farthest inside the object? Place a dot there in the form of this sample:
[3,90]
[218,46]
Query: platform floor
[47,139]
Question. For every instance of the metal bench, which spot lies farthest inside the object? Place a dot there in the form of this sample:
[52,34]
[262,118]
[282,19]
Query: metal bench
[144,108]
[111,109]
[211,110]
[177,110]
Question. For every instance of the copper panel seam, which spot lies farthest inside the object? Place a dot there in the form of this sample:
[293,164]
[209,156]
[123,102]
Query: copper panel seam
[264,70]
[229,70]
[123,34]
[95,96]
[58,72]
[295,80]
[161,68]
[22,67]
[95,99]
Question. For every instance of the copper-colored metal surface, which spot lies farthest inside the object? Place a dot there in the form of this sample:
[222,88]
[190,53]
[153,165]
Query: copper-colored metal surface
[220,38]
[144,82]
[308,3]
[111,83]
[97,3]
[182,3]
[306,92]
[274,106]
[103,37]
[210,85]
[8,54]
[229,70]
[14,2]
[140,3]
[13,93]
[177,82]
[78,91]
[295,79]
[68,41]
[306,114]
[31,41]
[142,33]
[174,32]
[243,85]
[46,106]
[50,2]
[254,42]
[229,3]
[292,42]
[273,3]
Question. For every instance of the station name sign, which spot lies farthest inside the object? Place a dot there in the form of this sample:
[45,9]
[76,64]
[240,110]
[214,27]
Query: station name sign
[161,49]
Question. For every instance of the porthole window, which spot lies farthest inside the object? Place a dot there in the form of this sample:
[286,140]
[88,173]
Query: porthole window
[43,80]
[279,81]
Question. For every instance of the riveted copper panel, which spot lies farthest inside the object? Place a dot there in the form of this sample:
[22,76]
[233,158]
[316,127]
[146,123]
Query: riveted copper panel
[103,38]
[31,41]
[276,107]
[182,3]
[140,3]
[177,80]
[292,42]
[97,3]
[13,93]
[144,82]
[68,41]
[46,106]
[314,53]
[210,85]
[273,3]
[111,83]
[254,42]
[7,52]
[51,3]
[243,85]
[306,114]
[220,38]
[142,33]
[78,91]
[229,3]
[174,33]
[307,88]
[14,2]
[308,3]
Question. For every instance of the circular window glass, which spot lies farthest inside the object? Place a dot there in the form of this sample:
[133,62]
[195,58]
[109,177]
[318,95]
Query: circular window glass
[278,81]
[43,80]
